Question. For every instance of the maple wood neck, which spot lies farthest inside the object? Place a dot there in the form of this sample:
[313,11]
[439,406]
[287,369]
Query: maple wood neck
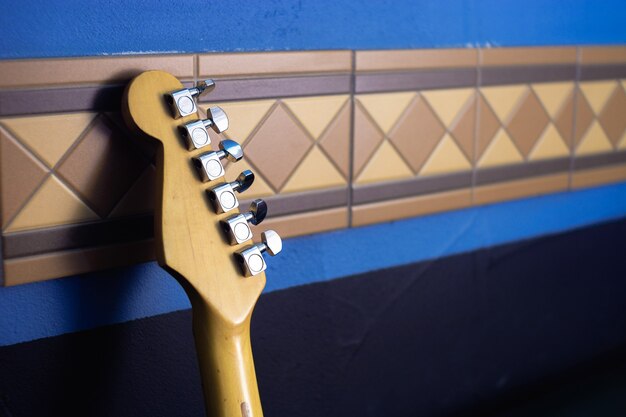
[226,364]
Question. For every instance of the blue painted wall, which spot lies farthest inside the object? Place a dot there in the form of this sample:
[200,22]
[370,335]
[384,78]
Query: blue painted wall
[55,307]
[43,28]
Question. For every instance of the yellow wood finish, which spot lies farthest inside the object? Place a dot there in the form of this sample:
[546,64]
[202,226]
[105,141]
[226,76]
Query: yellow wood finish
[190,245]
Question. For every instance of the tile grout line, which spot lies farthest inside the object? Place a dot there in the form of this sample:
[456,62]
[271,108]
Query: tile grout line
[351,141]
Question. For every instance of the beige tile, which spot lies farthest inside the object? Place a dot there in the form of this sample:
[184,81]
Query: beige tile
[277,147]
[594,142]
[549,146]
[417,133]
[613,116]
[463,128]
[501,151]
[597,93]
[262,63]
[314,172]
[598,176]
[448,103]
[60,264]
[603,55]
[307,223]
[415,59]
[446,159]
[504,100]
[553,95]
[103,166]
[386,109]
[367,137]
[385,165]
[520,188]
[488,125]
[335,140]
[389,210]
[528,56]
[53,204]
[39,72]
[20,175]
[316,113]
[243,116]
[49,136]
[527,123]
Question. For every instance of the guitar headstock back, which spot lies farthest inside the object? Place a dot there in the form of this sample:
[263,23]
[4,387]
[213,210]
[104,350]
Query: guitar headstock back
[190,229]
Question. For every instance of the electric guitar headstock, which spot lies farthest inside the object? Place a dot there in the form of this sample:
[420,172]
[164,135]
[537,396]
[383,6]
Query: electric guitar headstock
[202,238]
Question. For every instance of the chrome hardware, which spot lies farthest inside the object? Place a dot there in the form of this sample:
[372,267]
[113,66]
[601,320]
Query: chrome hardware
[236,227]
[209,164]
[182,101]
[223,196]
[196,134]
[251,258]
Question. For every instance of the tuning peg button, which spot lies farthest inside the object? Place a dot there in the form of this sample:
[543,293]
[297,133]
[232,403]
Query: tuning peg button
[196,134]
[237,228]
[209,164]
[251,258]
[182,101]
[223,196]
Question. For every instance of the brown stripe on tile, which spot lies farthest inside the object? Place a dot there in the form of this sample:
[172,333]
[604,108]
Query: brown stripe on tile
[280,205]
[601,72]
[603,55]
[389,210]
[593,161]
[58,100]
[407,59]
[598,176]
[528,56]
[527,74]
[529,169]
[49,72]
[254,88]
[418,80]
[412,187]
[55,239]
[259,63]
[307,223]
[60,264]
[520,188]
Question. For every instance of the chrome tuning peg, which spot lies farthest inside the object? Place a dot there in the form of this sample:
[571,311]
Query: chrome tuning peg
[182,101]
[209,165]
[237,228]
[223,196]
[196,134]
[251,258]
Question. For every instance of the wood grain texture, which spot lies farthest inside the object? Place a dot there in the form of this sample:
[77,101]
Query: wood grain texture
[190,245]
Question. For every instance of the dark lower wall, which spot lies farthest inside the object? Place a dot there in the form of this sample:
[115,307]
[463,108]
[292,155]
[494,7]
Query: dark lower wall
[456,335]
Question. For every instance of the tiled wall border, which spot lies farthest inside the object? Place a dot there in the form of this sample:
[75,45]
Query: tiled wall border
[29,87]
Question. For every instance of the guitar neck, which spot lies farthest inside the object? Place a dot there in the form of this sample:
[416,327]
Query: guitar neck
[226,364]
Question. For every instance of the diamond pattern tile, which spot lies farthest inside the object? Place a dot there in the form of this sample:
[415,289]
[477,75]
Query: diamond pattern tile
[528,123]
[613,116]
[367,137]
[417,133]
[385,165]
[20,174]
[488,125]
[315,113]
[103,166]
[243,116]
[277,147]
[463,128]
[445,159]
[49,136]
[385,109]
[314,172]
[335,141]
